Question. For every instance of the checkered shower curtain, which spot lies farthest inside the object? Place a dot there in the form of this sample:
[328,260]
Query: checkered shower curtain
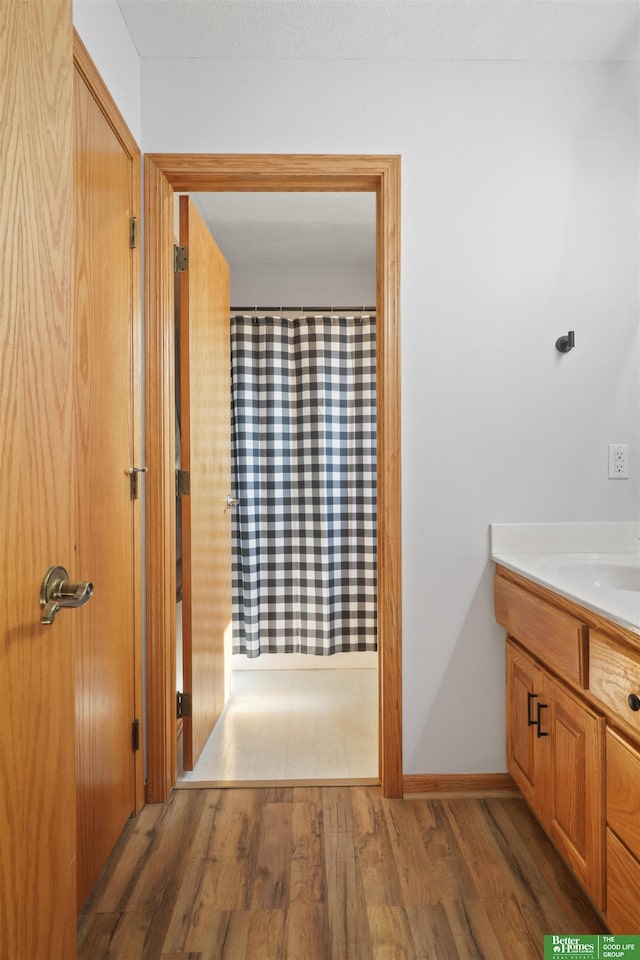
[304,473]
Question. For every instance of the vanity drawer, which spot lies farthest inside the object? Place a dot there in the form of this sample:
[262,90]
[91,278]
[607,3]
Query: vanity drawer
[623,790]
[555,637]
[614,678]
[623,887]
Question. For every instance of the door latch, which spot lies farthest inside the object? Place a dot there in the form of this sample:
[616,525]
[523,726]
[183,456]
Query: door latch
[134,473]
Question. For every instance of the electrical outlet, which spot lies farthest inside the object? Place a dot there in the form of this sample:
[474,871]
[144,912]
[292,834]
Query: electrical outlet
[618,461]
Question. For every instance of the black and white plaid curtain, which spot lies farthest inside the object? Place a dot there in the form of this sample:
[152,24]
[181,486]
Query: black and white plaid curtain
[304,473]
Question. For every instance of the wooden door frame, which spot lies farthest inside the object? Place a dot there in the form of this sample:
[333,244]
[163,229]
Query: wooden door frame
[164,174]
[87,69]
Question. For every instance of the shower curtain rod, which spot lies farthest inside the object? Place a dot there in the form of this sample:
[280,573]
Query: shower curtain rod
[332,309]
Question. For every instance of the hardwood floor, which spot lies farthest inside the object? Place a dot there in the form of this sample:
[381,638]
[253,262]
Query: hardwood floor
[330,873]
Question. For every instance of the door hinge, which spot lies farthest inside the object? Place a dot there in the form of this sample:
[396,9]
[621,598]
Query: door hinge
[180,259]
[135,734]
[183,705]
[183,483]
[133,232]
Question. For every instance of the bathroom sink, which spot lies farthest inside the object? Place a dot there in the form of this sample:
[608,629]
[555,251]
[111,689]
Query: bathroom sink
[598,573]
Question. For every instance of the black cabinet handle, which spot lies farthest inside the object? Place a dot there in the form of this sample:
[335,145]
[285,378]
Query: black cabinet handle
[634,702]
[539,708]
[530,721]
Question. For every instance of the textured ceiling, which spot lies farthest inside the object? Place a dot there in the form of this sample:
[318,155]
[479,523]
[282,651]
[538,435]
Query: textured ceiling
[385,29]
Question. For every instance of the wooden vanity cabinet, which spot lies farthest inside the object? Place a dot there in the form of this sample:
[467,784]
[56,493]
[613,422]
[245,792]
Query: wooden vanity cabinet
[573,737]
[555,754]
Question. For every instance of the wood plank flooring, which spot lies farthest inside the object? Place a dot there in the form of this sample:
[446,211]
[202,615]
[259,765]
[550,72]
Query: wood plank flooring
[330,873]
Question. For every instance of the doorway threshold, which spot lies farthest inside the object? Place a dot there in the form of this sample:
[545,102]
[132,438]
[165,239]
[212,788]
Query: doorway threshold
[246,784]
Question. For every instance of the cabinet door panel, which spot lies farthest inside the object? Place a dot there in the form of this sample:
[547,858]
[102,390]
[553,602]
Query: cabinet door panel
[623,790]
[574,764]
[524,688]
[623,886]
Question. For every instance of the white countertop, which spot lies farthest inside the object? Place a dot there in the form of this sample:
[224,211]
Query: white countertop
[596,565]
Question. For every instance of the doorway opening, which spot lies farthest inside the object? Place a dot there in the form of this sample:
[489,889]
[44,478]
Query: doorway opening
[301,676]
[307,174]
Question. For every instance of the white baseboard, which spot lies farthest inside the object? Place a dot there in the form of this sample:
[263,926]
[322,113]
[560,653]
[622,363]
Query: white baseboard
[362,660]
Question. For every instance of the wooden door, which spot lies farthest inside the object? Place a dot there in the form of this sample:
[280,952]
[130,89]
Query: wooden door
[105,427]
[205,440]
[37,466]
[575,794]
[524,689]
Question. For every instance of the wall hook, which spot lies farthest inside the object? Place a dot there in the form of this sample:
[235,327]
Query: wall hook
[566,343]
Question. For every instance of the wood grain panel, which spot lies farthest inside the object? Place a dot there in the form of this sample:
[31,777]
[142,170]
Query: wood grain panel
[106,418]
[420,832]
[550,634]
[160,508]
[382,887]
[205,444]
[273,172]
[575,778]
[569,755]
[524,691]
[589,617]
[37,469]
[389,505]
[86,68]
[623,887]
[349,932]
[462,784]
[623,790]
[614,675]
[163,173]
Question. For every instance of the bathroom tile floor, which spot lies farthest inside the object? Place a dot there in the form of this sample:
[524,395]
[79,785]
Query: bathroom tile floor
[293,725]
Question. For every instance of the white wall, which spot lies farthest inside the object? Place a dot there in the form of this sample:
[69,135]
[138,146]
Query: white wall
[520,222]
[312,286]
[102,30]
